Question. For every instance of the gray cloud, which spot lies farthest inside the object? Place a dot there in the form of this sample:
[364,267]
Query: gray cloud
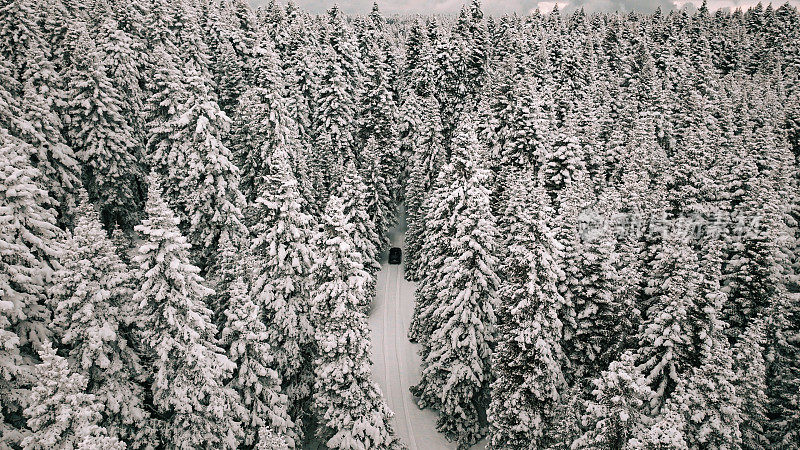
[621,5]
[508,6]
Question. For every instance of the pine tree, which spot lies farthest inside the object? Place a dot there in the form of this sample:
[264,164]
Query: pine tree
[598,315]
[425,163]
[269,440]
[461,319]
[615,414]
[708,400]
[666,431]
[435,214]
[92,305]
[754,271]
[39,102]
[529,361]
[378,110]
[189,370]
[124,61]
[261,125]
[751,385]
[345,52]
[559,167]
[783,370]
[353,193]
[62,415]
[419,69]
[103,139]
[167,93]
[29,244]
[524,135]
[233,261]
[335,113]
[380,203]
[301,66]
[666,352]
[201,178]
[349,404]
[257,382]
[284,257]
[230,77]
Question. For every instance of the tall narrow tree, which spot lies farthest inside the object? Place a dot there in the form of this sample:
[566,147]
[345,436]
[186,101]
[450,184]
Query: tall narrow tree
[92,306]
[459,322]
[283,254]
[189,370]
[103,139]
[29,242]
[245,336]
[351,408]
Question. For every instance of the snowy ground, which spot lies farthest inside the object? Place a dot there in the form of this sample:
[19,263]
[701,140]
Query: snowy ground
[395,360]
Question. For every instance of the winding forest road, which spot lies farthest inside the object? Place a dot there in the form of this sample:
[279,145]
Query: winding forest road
[396,363]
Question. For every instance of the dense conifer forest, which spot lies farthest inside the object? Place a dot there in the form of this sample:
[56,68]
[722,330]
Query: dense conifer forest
[195,197]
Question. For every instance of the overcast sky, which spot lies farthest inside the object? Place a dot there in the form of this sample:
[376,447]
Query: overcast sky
[504,6]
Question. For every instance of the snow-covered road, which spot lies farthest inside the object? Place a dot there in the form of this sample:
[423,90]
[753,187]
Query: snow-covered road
[395,360]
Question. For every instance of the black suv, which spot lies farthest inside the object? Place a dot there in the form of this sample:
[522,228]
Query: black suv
[395,255]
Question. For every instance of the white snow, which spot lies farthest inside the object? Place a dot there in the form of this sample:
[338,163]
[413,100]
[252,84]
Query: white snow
[395,361]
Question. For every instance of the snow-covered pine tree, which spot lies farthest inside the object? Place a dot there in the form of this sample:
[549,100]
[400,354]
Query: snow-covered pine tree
[353,193]
[528,363]
[103,139]
[10,115]
[258,384]
[333,126]
[167,93]
[162,27]
[349,405]
[283,255]
[230,77]
[424,164]
[40,100]
[418,72]
[233,261]
[468,55]
[708,399]
[666,352]
[19,35]
[344,49]
[192,49]
[380,202]
[125,59]
[301,61]
[261,125]
[751,385]
[459,323]
[755,262]
[409,127]
[666,431]
[378,111]
[524,135]
[92,304]
[783,369]
[37,91]
[269,440]
[265,67]
[61,414]
[30,248]
[605,311]
[189,370]
[565,159]
[615,414]
[201,180]
[435,214]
